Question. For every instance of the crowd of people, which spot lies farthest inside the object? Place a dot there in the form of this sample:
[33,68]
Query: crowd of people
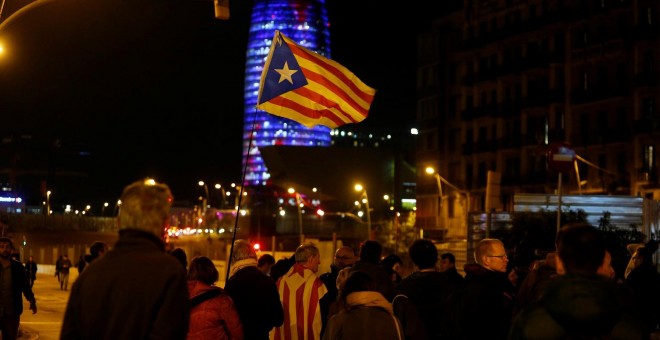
[142,291]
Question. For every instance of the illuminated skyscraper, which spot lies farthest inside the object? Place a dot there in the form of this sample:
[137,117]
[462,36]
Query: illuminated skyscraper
[306,22]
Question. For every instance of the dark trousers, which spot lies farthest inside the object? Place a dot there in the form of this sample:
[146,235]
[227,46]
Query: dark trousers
[9,327]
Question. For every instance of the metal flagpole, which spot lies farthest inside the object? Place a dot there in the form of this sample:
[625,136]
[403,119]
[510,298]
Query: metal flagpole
[240,194]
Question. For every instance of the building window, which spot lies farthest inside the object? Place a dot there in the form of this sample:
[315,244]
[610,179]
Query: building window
[648,107]
[585,80]
[648,158]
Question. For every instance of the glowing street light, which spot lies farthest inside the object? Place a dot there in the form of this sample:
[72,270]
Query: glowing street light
[365,200]
[439,179]
[299,204]
[205,201]
[223,194]
[48,202]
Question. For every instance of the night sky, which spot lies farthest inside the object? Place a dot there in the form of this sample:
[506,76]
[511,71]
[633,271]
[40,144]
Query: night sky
[155,88]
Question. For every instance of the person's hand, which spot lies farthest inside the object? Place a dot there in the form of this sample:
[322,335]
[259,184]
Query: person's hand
[33,307]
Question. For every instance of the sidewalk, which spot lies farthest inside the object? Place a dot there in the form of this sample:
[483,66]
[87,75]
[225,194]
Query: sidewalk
[51,303]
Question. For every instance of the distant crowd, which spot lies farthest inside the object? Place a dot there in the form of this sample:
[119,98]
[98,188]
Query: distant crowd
[138,290]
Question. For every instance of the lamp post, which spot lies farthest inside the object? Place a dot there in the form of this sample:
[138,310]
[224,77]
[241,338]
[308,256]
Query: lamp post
[105,205]
[218,186]
[365,200]
[205,201]
[299,204]
[439,179]
[48,202]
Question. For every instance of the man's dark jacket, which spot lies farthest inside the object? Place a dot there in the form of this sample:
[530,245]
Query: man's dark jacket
[578,307]
[257,302]
[485,304]
[134,291]
[383,282]
[429,292]
[19,286]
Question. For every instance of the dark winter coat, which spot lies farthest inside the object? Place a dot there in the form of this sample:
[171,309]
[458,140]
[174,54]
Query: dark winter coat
[578,307]
[535,283]
[644,281]
[384,283]
[19,286]
[135,291]
[429,293]
[257,302]
[484,306]
[31,270]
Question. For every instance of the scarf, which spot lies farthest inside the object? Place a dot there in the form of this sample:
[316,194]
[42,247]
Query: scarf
[368,299]
[238,265]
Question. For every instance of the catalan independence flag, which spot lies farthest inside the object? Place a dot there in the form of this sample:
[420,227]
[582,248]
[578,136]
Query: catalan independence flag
[304,86]
[300,293]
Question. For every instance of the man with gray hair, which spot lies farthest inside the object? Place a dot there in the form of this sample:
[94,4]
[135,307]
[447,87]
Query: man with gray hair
[255,294]
[136,290]
[300,291]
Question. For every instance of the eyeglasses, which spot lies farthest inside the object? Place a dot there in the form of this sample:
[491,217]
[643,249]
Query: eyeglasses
[500,256]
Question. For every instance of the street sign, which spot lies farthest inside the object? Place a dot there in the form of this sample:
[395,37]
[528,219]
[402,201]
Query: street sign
[561,157]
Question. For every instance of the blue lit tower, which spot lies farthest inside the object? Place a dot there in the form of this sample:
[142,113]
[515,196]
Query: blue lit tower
[306,22]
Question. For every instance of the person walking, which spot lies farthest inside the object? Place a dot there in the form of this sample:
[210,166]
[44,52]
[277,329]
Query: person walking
[370,253]
[13,283]
[300,291]
[212,312]
[428,289]
[583,301]
[366,314]
[31,270]
[65,266]
[485,302]
[96,250]
[254,294]
[57,269]
[344,258]
[644,280]
[136,290]
[448,266]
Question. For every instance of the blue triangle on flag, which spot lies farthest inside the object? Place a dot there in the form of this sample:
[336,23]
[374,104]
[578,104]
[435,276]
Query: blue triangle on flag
[274,85]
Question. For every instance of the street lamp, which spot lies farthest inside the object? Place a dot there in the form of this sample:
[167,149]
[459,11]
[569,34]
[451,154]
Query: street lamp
[223,194]
[206,191]
[105,205]
[439,179]
[299,204]
[48,202]
[365,200]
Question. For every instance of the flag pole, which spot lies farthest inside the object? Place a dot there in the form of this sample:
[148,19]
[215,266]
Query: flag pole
[240,194]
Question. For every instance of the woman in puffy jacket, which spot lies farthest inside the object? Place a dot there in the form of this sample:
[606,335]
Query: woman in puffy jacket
[212,312]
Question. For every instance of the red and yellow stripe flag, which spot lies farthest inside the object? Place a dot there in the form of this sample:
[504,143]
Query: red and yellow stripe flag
[306,87]
[300,291]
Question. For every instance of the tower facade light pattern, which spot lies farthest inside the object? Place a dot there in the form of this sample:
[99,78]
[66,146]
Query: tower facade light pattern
[306,22]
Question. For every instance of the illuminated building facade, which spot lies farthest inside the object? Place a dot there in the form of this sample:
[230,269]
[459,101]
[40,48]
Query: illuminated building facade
[306,22]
